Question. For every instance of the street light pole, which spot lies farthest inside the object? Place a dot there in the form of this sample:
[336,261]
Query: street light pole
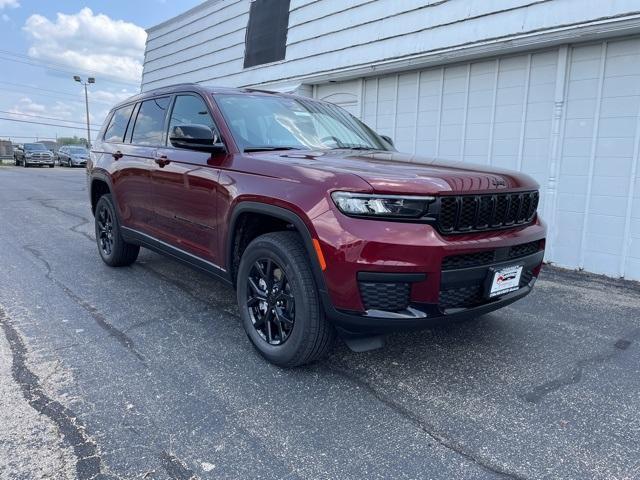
[86,103]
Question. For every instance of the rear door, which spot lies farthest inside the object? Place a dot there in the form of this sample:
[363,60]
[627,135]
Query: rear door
[129,171]
[185,183]
[144,135]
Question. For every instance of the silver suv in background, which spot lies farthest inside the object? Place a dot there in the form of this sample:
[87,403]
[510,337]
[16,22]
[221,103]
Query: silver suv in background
[34,154]
[73,156]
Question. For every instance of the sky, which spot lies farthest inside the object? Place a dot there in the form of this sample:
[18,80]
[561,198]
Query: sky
[44,43]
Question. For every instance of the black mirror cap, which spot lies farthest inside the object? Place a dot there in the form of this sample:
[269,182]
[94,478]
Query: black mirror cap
[196,137]
[387,139]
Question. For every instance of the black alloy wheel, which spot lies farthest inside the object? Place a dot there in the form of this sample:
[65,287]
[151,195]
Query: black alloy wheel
[105,230]
[270,301]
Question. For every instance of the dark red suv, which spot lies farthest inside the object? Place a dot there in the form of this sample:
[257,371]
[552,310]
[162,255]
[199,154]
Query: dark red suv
[319,223]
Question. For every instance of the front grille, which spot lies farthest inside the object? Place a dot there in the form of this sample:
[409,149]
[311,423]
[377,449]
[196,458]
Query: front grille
[472,213]
[487,257]
[391,297]
[472,295]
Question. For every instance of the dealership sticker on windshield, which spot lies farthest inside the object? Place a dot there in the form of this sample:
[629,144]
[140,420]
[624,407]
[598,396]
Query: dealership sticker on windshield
[505,280]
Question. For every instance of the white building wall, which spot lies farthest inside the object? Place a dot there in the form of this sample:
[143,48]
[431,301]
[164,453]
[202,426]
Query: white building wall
[349,38]
[511,83]
[501,111]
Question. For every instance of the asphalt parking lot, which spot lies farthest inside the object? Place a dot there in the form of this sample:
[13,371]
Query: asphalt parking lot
[145,372]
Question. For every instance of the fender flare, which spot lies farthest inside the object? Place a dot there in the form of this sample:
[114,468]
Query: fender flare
[99,175]
[282,214]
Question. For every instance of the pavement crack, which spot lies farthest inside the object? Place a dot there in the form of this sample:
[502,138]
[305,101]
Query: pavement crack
[574,375]
[74,228]
[88,460]
[419,423]
[176,468]
[97,316]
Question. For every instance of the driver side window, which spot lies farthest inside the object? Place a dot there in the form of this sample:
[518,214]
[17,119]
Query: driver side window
[190,110]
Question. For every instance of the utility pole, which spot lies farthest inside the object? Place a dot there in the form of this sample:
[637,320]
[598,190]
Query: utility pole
[86,104]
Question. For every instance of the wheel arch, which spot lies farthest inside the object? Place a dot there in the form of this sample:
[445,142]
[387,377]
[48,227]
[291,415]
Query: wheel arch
[279,213]
[99,185]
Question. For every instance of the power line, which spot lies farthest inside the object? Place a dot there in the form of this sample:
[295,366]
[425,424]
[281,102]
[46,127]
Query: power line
[34,62]
[39,88]
[48,95]
[48,118]
[43,123]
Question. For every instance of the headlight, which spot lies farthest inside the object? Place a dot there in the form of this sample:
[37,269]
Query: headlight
[372,205]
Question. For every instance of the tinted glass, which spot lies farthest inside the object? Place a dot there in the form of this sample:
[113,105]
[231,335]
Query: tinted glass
[34,146]
[118,126]
[190,110]
[149,126]
[271,121]
[78,150]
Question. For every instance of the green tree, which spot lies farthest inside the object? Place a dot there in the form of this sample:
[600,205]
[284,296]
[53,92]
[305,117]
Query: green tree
[71,141]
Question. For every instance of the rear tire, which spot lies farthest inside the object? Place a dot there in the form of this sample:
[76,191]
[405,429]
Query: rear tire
[267,299]
[113,250]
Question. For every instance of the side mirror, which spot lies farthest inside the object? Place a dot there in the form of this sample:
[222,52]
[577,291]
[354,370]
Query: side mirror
[387,139]
[196,137]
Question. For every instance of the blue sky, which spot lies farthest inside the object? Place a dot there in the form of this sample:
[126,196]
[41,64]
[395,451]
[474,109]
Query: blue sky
[44,43]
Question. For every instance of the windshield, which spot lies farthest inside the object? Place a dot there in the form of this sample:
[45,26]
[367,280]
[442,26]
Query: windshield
[264,122]
[78,151]
[34,146]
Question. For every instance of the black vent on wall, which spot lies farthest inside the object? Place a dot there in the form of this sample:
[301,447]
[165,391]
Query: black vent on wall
[266,39]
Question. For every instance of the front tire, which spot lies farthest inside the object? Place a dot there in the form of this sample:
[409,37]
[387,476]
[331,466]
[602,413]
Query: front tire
[279,302]
[113,250]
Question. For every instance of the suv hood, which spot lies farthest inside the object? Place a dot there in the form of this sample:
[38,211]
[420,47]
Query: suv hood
[393,172]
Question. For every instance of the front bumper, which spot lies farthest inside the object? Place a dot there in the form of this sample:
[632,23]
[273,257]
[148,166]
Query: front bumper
[436,289]
[39,161]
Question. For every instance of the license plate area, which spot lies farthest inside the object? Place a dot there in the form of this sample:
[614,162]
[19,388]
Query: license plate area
[503,280]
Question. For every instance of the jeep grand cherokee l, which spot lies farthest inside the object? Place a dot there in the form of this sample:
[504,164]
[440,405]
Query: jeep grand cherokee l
[321,226]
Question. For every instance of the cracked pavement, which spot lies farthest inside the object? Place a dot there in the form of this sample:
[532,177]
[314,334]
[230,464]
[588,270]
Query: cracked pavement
[145,372]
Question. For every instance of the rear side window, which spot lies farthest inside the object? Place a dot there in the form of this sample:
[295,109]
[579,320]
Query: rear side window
[118,126]
[149,126]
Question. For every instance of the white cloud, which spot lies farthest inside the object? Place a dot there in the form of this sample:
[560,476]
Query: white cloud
[5,17]
[9,4]
[88,41]
[28,106]
[107,97]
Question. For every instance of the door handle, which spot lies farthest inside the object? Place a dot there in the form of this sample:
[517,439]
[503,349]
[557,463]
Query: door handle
[162,161]
[117,155]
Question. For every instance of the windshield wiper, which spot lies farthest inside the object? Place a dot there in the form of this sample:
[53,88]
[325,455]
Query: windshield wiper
[269,148]
[355,147]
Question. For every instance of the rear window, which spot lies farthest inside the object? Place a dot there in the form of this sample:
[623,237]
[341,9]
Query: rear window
[149,126]
[118,126]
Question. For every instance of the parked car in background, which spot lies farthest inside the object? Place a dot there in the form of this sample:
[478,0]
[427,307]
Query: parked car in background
[319,223]
[34,154]
[73,156]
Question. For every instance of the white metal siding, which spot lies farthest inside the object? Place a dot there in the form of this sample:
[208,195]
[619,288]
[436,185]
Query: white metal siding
[206,44]
[501,112]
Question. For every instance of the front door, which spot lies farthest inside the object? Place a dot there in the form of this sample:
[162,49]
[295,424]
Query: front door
[184,184]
